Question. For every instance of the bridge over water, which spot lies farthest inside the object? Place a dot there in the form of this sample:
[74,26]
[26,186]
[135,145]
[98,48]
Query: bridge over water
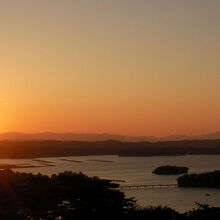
[152,186]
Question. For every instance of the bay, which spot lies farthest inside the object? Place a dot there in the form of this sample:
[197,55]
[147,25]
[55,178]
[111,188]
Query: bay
[136,171]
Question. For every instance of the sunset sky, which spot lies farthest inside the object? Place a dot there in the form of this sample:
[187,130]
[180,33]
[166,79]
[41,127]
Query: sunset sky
[131,67]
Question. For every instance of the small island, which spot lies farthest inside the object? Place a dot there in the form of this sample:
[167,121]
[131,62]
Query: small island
[206,180]
[170,170]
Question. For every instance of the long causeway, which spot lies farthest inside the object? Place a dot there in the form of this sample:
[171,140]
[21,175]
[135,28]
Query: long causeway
[152,186]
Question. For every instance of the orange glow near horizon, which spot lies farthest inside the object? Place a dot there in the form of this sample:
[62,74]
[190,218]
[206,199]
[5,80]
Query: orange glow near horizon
[132,68]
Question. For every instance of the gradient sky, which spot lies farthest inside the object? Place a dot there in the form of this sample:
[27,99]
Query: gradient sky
[132,67]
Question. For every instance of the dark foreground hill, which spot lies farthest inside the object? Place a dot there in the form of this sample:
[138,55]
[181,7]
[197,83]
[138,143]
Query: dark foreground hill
[33,149]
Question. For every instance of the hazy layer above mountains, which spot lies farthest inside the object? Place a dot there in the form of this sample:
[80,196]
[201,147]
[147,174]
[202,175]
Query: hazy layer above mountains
[101,137]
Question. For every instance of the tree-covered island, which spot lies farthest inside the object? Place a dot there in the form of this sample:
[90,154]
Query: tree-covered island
[170,170]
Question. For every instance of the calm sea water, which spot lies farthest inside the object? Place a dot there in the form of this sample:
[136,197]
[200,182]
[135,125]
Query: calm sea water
[138,170]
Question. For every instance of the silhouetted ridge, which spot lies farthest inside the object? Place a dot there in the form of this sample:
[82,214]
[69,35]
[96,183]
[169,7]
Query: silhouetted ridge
[101,137]
[35,149]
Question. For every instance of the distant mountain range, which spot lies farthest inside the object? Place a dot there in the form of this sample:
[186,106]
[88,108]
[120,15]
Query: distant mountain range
[101,137]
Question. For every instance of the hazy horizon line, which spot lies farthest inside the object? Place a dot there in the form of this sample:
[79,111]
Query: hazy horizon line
[106,133]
